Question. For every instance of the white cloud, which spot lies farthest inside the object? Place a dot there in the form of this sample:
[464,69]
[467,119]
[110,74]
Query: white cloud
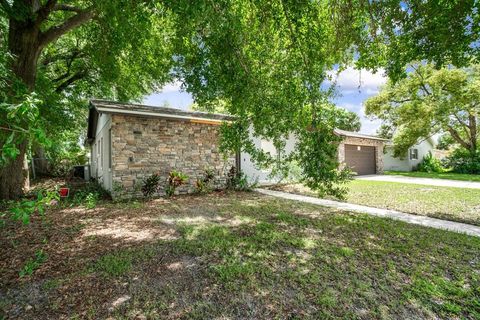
[172,87]
[352,80]
[368,126]
[354,107]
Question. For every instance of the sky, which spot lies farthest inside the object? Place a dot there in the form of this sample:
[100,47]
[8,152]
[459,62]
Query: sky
[354,87]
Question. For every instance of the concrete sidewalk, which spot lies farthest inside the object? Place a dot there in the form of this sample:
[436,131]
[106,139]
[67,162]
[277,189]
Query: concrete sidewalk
[424,181]
[385,213]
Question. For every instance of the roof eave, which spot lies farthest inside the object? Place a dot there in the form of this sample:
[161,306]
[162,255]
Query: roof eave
[104,109]
[343,133]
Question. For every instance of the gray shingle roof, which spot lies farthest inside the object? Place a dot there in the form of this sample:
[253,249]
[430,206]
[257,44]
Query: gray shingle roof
[357,135]
[139,109]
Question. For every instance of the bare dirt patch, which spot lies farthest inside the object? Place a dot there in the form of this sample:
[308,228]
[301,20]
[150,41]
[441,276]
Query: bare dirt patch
[233,256]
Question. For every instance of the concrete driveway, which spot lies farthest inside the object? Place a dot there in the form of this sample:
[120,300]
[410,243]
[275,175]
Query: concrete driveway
[424,181]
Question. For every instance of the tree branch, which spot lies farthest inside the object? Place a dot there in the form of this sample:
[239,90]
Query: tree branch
[422,82]
[6,7]
[44,11]
[56,32]
[472,119]
[77,76]
[67,7]
[77,54]
[463,124]
[457,138]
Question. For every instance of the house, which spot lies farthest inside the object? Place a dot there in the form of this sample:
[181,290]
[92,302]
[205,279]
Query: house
[130,142]
[409,161]
[361,152]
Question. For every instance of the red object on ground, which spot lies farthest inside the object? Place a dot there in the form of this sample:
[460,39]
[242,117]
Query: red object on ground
[64,192]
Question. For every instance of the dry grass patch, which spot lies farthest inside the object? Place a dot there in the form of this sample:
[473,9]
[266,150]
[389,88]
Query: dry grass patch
[235,256]
[455,204]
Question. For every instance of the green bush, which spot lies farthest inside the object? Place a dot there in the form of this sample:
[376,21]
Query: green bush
[238,181]
[204,185]
[151,185]
[88,195]
[24,209]
[175,179]
[462,161]
[430,164]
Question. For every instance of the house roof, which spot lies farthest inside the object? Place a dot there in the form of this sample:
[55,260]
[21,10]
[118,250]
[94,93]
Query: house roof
[352,134]
[112,107]
[430,140]
[138,109]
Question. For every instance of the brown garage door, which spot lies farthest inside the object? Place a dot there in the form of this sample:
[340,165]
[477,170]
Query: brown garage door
[361,159]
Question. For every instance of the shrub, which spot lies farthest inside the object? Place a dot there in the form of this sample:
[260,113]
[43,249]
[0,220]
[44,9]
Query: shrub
[430,164]
[151,185]
[88,195]
[33,264]
[238,181]
[175,179]
[462,161]
[204,185]
[24,209]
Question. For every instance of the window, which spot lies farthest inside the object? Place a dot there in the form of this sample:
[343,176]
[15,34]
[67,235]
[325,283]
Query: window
[413,154]
[101,153]
[110,149]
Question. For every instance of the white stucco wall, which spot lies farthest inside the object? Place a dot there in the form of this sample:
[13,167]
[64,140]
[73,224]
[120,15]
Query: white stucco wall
[101,151]
[405,163]
[254,173]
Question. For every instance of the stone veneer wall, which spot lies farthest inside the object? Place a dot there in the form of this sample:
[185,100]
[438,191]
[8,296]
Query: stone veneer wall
[142,146]
[378,144]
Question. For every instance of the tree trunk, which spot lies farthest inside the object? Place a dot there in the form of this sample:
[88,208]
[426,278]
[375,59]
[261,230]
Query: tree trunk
[23,43]
[42,167]
[14,176]
[473,133]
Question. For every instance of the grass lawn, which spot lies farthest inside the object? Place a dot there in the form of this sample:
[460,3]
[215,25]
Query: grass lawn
[433,175]
[455,204]
[234,256]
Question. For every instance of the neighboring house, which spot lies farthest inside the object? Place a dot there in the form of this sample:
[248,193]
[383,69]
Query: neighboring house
[362,153]
[130,142]
[409,161]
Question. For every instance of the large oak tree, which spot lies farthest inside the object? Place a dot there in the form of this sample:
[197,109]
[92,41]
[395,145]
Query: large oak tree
[429,102]
[268,60]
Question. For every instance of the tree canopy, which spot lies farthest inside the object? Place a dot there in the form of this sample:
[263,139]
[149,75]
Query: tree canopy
[267,60]
[429,102]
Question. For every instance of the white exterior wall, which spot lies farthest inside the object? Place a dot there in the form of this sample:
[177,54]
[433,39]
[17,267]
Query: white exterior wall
[100,154]
[390,163]
[254,173]
[405,164]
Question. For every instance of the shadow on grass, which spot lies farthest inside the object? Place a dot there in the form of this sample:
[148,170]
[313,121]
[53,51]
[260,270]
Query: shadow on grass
[245,256]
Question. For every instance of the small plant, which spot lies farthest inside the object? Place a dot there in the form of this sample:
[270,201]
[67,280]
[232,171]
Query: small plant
[88,196]
[175,179]
[430,164]
[151,185]
[114,264]
[238,181]
[91,200]
[33,263]
[204,185]
[24,209]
